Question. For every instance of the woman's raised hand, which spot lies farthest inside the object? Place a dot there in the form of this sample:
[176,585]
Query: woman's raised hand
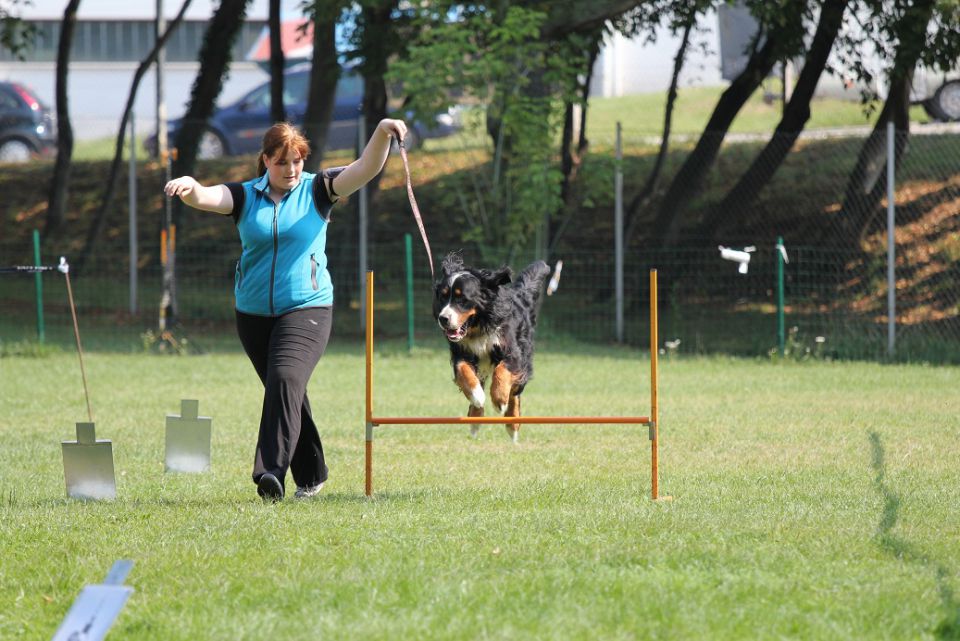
[182,186]
[393,127]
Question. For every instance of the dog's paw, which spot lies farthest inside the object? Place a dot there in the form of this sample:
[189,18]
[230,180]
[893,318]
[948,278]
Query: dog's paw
[474,431]
[502,408]
[477,397]
[513,434]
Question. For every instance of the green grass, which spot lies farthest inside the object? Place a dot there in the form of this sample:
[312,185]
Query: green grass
[810,501]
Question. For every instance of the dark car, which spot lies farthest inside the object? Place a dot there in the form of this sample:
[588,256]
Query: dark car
[238,128]
[27,126]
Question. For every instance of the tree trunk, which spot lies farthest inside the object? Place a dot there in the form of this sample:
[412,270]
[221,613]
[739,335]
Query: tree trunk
[689,178]
[278,112]
[377,38]
[324,74]
[867,182]
[100,218]
[572,157]
[59,183]
[642,199]
[794,119]
[215,56]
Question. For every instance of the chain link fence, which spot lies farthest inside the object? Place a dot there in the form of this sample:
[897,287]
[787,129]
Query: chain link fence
[835,283]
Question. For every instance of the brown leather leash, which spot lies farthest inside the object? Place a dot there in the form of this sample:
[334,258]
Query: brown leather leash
[413,204]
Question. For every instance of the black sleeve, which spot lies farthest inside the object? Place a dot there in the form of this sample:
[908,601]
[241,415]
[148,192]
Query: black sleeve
[239,198]
[321,198]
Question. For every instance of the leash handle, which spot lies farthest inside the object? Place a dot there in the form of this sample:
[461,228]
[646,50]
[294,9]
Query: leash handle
[413,204]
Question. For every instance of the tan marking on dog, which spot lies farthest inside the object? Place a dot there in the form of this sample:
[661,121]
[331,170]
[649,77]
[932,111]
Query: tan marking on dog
[500,387]
[467,380]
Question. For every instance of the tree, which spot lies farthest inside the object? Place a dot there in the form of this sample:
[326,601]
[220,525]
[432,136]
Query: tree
[215,56]
[521,61]
[684,19]
[100,218]
[57,202]
[376,39]
[324,75]
[906,24]
[795,117]
[277,64]
[16,36]
[780,35]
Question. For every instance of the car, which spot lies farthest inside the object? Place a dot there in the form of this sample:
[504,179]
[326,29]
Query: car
[27,126]
[238,128]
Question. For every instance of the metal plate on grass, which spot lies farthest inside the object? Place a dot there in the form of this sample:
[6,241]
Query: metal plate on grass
[88,466]
[188,439]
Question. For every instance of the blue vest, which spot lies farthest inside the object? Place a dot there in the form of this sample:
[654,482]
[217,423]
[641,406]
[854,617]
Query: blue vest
[283,266]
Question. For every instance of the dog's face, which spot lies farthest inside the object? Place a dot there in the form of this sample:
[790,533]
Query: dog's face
[462,296]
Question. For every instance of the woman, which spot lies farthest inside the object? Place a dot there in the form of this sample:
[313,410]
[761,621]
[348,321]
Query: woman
[284,296]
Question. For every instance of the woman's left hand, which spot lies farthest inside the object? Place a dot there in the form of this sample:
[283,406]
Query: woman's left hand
[393,127]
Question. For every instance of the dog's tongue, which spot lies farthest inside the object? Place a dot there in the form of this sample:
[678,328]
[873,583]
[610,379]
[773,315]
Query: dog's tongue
[455,334]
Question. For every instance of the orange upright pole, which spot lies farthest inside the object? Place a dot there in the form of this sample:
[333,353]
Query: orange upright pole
[369,402]
[654,409]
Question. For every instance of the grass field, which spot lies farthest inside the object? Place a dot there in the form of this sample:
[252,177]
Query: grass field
[810,501]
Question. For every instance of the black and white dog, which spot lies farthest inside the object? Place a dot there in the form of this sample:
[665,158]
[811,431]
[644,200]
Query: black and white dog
[489,323]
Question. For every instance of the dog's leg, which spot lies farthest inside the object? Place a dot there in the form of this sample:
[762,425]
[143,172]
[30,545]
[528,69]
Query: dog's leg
[513,409]
[500,388]
[469,384]
[474,411]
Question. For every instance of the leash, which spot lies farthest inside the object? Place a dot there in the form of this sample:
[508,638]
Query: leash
[413,204]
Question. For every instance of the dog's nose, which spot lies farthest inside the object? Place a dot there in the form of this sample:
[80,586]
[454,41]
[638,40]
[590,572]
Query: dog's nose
[444,321]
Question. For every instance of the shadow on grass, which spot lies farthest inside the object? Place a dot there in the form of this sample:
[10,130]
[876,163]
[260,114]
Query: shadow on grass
[949,628]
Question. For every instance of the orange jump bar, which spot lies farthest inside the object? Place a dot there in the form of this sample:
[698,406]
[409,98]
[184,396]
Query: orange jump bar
[523,420]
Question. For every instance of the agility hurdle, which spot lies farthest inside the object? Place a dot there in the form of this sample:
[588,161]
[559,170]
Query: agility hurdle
[650,421]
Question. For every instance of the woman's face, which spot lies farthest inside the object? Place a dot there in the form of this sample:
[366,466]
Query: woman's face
[284,169]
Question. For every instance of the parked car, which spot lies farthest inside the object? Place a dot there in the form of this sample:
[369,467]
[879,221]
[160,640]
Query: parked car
[238,128]
[27,126]
[938,93]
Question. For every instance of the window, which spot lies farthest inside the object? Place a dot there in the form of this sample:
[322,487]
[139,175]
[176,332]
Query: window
[127,41]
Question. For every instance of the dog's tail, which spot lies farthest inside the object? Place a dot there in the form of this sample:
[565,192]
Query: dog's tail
[530,283]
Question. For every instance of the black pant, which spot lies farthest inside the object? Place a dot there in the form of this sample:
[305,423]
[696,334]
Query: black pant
[284,350]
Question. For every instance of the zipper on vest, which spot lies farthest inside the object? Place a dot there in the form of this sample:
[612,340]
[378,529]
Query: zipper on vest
[313,272]
[276,245]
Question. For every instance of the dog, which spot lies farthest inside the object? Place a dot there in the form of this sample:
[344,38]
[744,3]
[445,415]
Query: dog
[489,320]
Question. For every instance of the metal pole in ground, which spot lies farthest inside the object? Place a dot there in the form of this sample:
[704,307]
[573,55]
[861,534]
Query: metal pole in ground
[38,281]
[781,327]
[362,206]
[368,463]
[132,201]
[408,250]
[618,236]
[654,390]
[891,244]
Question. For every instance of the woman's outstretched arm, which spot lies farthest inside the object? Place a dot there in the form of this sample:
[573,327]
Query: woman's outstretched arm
[215,198]
[371,161]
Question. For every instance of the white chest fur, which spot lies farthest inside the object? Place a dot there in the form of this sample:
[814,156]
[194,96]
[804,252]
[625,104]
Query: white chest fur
[481,347]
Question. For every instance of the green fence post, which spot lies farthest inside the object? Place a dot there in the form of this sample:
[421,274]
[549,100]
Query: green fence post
[781,334]
[38,279]
[408,250]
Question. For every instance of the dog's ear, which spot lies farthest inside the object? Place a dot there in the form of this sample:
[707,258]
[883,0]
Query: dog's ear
[452,263]
[500,277]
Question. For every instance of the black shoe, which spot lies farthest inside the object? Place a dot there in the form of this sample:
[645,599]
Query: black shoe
[269,488]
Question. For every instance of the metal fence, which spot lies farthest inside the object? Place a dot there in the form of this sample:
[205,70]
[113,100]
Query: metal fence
[835,290]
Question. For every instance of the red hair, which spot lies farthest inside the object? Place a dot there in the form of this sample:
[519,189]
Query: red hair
[281,139]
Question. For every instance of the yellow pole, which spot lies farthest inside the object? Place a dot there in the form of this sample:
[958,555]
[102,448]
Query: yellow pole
[654,408]
[368,467]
